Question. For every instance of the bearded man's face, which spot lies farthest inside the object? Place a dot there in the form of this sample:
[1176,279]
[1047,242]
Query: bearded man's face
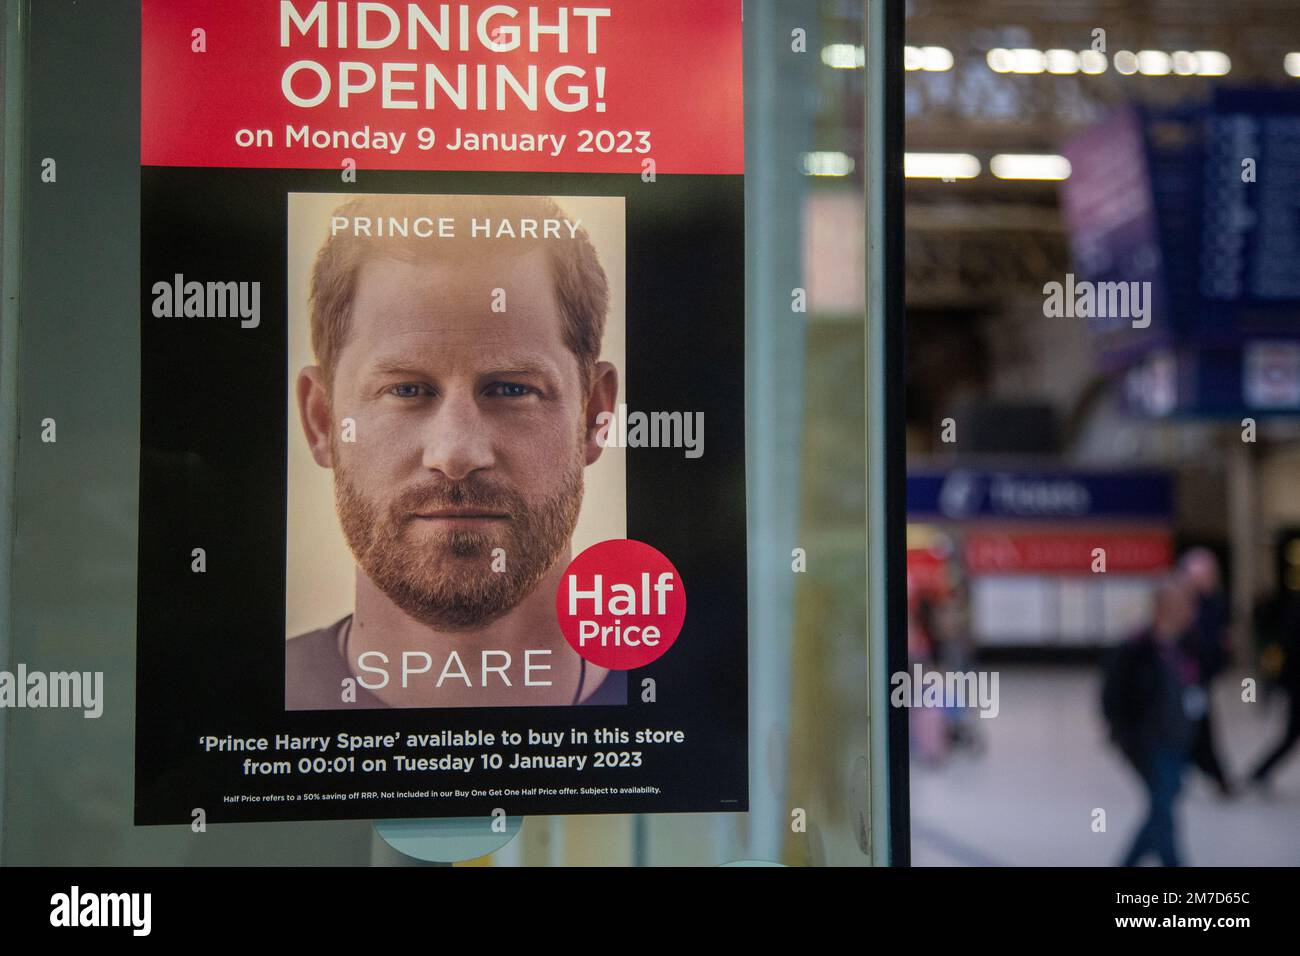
[463,482]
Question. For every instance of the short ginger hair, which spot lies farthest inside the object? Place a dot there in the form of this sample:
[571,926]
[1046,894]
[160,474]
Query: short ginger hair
[580,286]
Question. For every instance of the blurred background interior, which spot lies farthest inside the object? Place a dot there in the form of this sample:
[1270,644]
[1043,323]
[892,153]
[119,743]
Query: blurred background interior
[1101,141]
[1047,141]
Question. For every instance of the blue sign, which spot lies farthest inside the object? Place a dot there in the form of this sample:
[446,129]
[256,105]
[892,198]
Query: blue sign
[1259,378]
[962,494]
[1197,205]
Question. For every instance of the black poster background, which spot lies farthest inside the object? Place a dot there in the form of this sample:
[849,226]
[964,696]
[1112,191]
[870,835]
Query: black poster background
[213,473]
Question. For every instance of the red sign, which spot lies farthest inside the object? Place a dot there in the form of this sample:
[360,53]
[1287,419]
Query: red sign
[927,572]
[1074,553]
[310,84]
[621,604]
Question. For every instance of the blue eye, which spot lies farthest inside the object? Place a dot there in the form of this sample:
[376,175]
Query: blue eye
[406,390]
[510,390]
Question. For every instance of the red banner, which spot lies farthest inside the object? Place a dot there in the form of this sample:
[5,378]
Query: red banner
[927,573]
[618,87]
[1074,553]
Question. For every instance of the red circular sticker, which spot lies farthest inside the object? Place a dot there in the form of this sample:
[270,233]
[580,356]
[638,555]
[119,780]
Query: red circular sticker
[620,604]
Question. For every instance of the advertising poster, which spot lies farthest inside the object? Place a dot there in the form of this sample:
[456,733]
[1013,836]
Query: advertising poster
[442,477]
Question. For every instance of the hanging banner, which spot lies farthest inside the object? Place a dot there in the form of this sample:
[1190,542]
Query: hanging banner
[442,504]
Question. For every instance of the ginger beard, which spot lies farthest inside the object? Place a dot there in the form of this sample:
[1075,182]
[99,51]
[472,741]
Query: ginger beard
[445,577]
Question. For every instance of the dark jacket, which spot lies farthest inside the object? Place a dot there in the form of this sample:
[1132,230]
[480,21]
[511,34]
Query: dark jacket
[1143,699]
[1288,640]
[1205,642]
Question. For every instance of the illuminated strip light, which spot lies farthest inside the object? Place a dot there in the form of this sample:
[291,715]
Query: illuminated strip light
[1029,166]
[1016,61]
[1291,63]
[844,56]
[931,59]
[1154,63]
[1212,63]
[940,166]
[1057,62]
[1092,62]
[1180,63]
[1147,62]
[1062,62]
[849,56]
[1185,64]
[828,163]
[1126,62]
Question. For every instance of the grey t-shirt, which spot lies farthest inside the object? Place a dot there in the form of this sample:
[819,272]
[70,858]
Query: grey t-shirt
[314,671]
